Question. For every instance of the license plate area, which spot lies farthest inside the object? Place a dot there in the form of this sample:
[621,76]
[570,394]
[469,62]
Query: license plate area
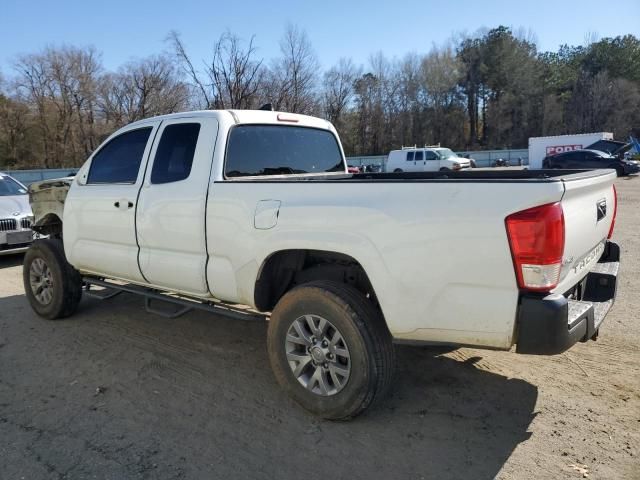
[16,238]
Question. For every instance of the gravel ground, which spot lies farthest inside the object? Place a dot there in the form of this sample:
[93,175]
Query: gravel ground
[117,393]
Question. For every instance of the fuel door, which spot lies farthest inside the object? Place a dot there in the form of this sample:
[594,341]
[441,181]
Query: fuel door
[266,214]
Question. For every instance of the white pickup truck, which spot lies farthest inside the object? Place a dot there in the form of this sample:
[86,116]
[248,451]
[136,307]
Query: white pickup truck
[216,208]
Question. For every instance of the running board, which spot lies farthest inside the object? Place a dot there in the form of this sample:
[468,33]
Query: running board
[108,292]
[181,310]
[185,303]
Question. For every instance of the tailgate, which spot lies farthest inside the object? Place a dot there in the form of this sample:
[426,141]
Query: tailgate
[588,205]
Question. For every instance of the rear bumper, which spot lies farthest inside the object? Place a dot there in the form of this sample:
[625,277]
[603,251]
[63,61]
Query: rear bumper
[551,324]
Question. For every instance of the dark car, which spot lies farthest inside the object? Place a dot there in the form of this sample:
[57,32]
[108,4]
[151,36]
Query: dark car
[591,159]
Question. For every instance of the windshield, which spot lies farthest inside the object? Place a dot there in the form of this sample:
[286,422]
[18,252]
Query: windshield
[445,153]
[8,186]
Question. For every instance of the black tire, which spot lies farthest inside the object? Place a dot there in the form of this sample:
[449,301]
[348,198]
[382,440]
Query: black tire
[445,169]
[66,282]
[397,170]
[619,170]
[372,355]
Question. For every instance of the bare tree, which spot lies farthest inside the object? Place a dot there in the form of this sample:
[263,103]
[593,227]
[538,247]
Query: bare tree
[141,89]
[59,83]
[199,84]
[338,89]
[291,84]
[232,77]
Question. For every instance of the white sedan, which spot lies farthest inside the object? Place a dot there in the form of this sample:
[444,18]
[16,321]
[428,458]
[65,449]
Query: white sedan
[16,216]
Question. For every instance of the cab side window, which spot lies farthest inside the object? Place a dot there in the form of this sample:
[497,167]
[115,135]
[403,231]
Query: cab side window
[431,155]
[174,156]
[119,160]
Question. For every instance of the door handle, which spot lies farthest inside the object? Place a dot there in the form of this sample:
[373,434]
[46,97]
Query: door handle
[117,204]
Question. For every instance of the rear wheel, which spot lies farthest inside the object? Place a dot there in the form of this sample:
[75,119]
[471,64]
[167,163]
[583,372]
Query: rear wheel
[52,286]
[397,170]
[330,349]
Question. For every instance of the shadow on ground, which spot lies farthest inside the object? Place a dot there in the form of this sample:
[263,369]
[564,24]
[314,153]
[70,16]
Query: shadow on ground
[12,260]
[120,393]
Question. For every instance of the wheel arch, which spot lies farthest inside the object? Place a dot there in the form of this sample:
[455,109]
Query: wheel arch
[284,269]
[49,224]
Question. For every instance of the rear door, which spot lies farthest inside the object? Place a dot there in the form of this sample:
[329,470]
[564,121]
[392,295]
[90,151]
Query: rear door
[419,160]
[574,160]
[411,162]
[99,214]
[592,160]
[171,207]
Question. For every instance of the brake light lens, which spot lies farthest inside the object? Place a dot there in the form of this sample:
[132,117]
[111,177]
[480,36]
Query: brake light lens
[536,238]
[287,118]
[615,211]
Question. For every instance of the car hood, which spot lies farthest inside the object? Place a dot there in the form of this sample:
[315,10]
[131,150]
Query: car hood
[460,160]
[14,206]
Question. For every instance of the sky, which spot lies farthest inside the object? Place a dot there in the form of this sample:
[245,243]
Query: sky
[124,30]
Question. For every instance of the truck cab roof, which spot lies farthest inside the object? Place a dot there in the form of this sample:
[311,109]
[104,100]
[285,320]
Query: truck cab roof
[246,117]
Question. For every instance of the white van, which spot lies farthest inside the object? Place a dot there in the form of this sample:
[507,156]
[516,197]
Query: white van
[427,159]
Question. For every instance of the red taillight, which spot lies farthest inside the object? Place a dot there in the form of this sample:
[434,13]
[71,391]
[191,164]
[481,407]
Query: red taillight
[615,211]
[536,237]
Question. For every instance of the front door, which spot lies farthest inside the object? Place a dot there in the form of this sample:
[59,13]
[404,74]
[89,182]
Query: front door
[171,207]
[99,215]
[432,161]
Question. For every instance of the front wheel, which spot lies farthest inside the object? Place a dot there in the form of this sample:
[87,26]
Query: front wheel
[619,170]
[52,286]
[330,349]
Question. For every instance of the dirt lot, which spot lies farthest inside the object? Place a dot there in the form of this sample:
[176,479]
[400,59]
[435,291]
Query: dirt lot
[117,393]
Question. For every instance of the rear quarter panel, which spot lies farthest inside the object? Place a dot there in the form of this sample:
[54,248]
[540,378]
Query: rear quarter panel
[436,253]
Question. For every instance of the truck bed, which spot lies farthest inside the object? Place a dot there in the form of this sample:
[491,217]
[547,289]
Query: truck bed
[476,175]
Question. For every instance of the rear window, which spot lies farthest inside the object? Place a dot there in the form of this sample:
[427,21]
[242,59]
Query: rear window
[281,150]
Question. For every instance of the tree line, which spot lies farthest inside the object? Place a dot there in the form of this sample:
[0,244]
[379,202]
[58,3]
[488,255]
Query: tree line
[487,91]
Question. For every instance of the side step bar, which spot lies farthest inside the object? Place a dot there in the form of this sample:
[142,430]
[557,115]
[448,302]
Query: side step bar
[184,303]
